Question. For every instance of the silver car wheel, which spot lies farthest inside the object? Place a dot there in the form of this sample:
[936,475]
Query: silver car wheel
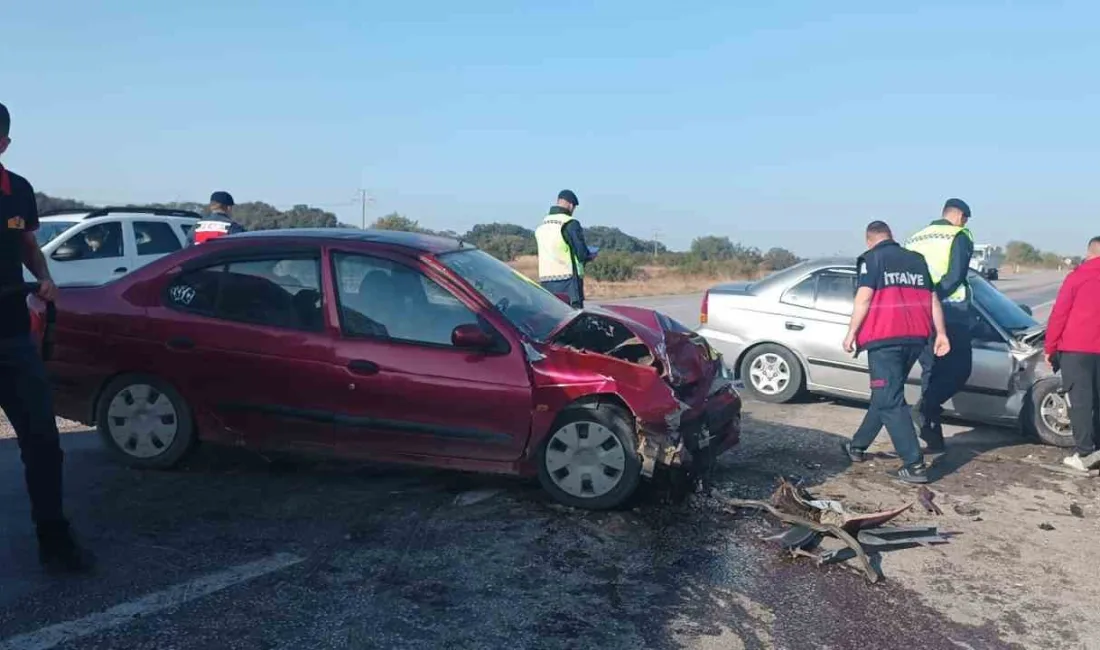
[770,374]
[1054,411]
[585,459]
[142,421]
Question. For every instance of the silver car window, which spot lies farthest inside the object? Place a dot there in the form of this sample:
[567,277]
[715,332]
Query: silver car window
[801,294]
[836,293]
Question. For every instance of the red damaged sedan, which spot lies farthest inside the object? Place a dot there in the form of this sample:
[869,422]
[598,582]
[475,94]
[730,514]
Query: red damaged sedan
[392,347]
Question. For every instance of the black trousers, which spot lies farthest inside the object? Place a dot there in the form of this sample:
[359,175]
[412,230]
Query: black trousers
[943,377]
[1081,379]
[27,401]
[890,368]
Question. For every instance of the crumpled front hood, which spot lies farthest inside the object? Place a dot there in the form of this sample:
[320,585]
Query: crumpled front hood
[686,358]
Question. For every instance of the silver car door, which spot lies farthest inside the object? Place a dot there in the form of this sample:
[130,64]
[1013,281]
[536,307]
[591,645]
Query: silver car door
[986,394]
[831,368]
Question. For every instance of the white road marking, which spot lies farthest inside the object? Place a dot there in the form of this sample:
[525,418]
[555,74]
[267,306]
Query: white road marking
[1042,305]
[54,635]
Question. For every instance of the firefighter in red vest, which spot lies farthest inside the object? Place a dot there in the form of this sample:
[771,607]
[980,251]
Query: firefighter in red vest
[895,312]
[219,223]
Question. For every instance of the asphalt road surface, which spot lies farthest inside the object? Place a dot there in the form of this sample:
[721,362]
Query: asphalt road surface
[237,551]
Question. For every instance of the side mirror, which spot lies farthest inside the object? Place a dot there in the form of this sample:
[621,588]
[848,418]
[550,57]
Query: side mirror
[67,253]
[471,337]
[1027,310]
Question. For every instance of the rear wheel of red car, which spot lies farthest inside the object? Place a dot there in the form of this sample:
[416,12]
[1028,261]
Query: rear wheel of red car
[590,459]
[772,373]
[145,422]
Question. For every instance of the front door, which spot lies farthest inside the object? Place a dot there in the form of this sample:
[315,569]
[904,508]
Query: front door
[411,394]
[986,393]
[100,252]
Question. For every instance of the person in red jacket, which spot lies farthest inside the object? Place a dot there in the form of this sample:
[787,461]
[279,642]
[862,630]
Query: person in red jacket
[1073,347]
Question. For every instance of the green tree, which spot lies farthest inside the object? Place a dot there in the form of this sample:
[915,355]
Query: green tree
[712,248]
[395,221]
[1023,253]
[51,204]
[779,258]
[615,266]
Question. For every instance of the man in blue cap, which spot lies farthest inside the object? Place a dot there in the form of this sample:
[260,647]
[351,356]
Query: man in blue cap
[947,246]
[219,223]
[563,251]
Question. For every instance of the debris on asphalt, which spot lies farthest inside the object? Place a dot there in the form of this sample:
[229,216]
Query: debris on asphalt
[811,519]
[475,496]
[1076,510]
[1046,526]
[967,510]
[926,496]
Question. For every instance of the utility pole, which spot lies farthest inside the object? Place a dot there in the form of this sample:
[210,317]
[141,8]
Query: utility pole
[364,198]
[656,238]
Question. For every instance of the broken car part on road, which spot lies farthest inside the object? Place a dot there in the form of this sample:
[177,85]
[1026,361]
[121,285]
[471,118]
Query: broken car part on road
[862,534]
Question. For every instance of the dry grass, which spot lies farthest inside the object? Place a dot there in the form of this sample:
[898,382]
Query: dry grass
[651,281]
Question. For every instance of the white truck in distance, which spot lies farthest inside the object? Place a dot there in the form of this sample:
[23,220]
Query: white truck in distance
[986,260]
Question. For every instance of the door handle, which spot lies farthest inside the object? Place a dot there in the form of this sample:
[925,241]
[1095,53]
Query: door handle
[121,269]
[795,326]
[180,343]
[363,367]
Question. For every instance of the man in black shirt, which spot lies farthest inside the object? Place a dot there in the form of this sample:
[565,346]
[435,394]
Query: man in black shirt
[25,393]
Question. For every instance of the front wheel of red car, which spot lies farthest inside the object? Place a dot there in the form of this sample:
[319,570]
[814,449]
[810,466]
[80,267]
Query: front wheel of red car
[145,422]
[590,459]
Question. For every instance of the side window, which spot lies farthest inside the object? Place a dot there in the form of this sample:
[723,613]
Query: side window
[155,238]
[836,293]
[284,293]
[383,299]
[101,241]
[187,228]
[801,294]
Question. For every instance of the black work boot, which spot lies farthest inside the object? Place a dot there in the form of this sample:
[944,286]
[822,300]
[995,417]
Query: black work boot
[917,474]
[854,454]
[59,552]
[932,435]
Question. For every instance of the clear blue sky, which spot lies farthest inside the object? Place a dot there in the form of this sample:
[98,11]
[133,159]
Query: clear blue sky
[787,123]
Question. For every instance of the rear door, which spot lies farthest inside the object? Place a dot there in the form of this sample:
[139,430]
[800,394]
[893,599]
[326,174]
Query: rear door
[153,239]
[410,393]
[829,365]
[243,338]
[97,252]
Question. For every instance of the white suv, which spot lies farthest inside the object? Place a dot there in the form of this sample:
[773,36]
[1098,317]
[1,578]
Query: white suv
[103,244]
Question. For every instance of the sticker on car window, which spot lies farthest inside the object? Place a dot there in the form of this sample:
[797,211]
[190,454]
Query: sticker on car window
[182,294]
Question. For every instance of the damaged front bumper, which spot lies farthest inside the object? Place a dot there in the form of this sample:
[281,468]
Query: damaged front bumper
[694,437]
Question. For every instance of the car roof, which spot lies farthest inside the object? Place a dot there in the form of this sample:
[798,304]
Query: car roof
[432,244]
[67,214]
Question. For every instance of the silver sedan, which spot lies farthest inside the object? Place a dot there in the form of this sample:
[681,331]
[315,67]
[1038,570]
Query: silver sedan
[783,335]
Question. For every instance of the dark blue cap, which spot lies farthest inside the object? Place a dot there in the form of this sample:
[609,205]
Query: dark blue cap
[568,195]
[224,198]
[959,205]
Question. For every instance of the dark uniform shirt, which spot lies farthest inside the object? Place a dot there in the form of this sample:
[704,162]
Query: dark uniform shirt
[901,308]
[218,224]
[18,216]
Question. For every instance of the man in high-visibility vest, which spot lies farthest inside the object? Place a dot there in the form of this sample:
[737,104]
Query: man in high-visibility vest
[946,245]
[563,251]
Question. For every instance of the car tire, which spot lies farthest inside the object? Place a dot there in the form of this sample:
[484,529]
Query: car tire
[590,458]
[772,373]
[994,275]
[1046,414]
[145,422]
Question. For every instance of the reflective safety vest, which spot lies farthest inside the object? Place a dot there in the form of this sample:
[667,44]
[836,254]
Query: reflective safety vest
[556,258]
[934,244]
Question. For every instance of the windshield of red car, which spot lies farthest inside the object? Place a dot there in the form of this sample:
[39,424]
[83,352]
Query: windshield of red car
[531,309]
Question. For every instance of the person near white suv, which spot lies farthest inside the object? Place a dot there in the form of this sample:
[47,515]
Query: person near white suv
[220,222]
